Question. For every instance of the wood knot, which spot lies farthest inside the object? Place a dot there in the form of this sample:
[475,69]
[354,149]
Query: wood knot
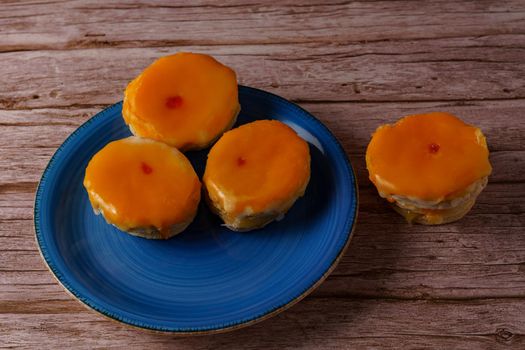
[7,103]
[503,335]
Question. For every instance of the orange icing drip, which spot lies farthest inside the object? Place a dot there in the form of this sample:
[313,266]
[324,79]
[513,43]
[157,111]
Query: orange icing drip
[428,156]
[259,164]
[184,100]
[146,182]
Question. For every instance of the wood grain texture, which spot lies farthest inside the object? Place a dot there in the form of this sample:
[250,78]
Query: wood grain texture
[353,64]
[326,323]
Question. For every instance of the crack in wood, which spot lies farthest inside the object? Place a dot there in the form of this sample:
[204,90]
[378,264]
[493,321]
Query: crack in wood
[424,298]
[324,101]
[82,44]
[18,187]
[461,102]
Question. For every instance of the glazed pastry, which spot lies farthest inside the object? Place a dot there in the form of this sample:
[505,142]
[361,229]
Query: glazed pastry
[185,100]
[143,187]
[255,173]
[431,167]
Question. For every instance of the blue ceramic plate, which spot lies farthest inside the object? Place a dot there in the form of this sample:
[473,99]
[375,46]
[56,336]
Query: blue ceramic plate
[208,278]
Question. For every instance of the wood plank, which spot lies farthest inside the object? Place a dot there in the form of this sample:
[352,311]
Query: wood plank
[352,123]
[327,323]
[423,70]
[73,24]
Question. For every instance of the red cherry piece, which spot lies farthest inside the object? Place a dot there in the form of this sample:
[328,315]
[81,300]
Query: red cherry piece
[146,169]
[241,161]
[174,102]
[433,148]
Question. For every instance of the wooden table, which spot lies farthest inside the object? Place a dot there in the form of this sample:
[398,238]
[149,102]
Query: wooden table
[354,65]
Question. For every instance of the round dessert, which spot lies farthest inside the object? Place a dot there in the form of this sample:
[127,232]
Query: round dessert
[143,187]
[255,173]
[431,167]
[186,100]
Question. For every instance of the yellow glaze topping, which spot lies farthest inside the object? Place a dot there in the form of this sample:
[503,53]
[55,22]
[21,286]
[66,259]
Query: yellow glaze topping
[257,166]
[428,156]
[142,183]
[185,100]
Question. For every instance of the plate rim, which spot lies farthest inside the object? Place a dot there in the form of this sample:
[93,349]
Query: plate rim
[217,328]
